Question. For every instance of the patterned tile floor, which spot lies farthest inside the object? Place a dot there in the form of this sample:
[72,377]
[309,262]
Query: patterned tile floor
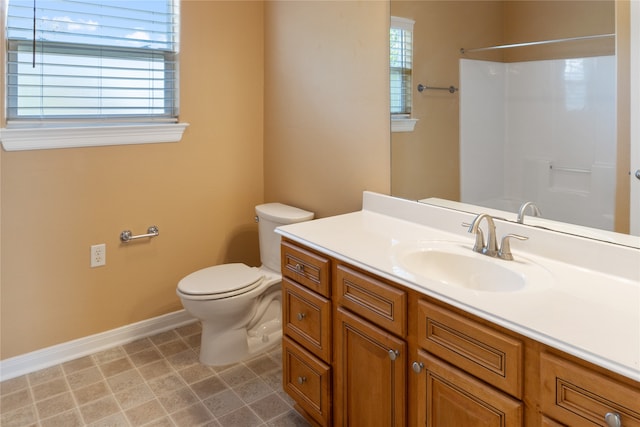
[156,381]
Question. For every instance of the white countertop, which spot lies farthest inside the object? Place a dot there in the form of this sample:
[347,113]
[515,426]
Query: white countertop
[590,308]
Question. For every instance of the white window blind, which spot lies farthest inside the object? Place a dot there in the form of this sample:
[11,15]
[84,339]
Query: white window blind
[95,61]
[400,65]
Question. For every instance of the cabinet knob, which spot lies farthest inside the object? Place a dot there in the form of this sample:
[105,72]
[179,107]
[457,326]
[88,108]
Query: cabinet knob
[300,268]
[301,316]
[612,419]
[393,354]
[417,367]
[302,380]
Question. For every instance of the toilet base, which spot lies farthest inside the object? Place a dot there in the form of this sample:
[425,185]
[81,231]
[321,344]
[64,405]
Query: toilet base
[237,345]
[219,348]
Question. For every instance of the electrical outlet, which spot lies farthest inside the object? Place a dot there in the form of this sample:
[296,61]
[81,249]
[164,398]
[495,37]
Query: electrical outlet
[98,255]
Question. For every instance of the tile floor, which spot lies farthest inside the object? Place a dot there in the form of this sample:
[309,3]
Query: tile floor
[155,381]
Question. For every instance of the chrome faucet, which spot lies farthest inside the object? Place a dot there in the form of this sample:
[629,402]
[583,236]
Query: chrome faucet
[523,209]
[491,248]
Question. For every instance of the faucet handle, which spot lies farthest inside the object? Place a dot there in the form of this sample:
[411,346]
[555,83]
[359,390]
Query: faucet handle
[505,246]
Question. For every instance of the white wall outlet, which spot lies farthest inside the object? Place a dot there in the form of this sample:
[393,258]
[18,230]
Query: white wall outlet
[98,255]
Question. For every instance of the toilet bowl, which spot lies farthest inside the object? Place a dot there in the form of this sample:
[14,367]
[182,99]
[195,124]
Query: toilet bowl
[240,307]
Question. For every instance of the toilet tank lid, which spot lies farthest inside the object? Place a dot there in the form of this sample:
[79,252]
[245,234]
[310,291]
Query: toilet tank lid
[282,214]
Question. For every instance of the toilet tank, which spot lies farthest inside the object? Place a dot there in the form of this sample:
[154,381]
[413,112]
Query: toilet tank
[270,216]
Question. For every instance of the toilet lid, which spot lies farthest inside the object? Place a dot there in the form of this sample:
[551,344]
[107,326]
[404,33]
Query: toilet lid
[220,279]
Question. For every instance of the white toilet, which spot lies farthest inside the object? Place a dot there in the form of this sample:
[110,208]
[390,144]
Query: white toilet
[240,307]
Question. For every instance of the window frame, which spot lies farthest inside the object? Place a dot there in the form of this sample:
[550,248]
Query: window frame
[90,131]
[404,121]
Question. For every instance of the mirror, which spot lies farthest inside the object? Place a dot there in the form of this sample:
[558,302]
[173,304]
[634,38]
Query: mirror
[535,122]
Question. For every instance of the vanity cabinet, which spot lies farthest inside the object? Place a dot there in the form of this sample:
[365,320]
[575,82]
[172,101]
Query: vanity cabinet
[483,370]
[370,351]
[306,324]
[361,350]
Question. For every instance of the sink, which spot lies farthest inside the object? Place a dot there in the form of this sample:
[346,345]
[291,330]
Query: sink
[455,264]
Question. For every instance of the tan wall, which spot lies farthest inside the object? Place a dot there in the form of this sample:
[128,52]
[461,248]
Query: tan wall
[327,103]
[322,140]
[200,192]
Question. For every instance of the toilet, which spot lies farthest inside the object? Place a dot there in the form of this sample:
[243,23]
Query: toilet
[240,307]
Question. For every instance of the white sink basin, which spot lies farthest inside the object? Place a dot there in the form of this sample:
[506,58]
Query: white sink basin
[455,264]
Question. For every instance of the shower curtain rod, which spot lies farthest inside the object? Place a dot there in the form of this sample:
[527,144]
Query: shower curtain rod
[507,46]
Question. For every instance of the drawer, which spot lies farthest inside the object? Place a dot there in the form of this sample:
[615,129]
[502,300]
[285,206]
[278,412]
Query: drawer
[307,380]
[575,395]
[481,351]
[372,299]
[307,318]
[305,267]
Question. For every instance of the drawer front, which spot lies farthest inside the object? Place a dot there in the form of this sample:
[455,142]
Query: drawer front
[307,380]
[307,318]
[481,351]
[372,299]
[305,267]
[574,395]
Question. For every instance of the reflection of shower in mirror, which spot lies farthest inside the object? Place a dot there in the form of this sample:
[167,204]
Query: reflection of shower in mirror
[543,131]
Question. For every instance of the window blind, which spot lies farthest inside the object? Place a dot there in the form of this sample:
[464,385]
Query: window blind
[94,60]
[400,65]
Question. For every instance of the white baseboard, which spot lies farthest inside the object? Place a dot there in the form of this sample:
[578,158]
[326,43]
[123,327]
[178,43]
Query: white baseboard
[60,353]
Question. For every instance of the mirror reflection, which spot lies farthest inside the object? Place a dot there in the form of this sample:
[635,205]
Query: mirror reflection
[534,118]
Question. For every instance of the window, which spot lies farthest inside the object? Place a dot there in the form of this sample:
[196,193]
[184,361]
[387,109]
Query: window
[400,73]
[88,64]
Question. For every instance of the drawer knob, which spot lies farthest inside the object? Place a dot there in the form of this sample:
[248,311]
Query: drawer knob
[417,367]
[612,419]
[300,268]
[393,354]
[301,316]
[302,380]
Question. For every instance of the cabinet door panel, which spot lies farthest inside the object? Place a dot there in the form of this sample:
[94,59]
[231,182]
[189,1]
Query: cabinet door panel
[370,386]
[448,397]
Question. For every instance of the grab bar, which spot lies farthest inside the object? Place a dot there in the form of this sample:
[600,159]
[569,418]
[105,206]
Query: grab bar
[566,169]
[126,235]
[451,89]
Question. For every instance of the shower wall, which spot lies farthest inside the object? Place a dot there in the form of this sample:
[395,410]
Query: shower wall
[542,131]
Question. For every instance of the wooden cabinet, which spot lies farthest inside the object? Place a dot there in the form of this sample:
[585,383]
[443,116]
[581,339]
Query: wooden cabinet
[360,350]
[370,366]
[447,396]
[574,395]
[307,325]
[481,351]
[370,350]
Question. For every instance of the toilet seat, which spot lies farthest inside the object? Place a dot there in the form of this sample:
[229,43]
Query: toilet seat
[220,281]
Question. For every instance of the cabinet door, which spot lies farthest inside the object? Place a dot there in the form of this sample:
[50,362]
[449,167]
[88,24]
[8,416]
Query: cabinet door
[448,397]
[370,366]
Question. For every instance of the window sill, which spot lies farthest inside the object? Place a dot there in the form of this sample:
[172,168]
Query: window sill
[20,139]
[403,125]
